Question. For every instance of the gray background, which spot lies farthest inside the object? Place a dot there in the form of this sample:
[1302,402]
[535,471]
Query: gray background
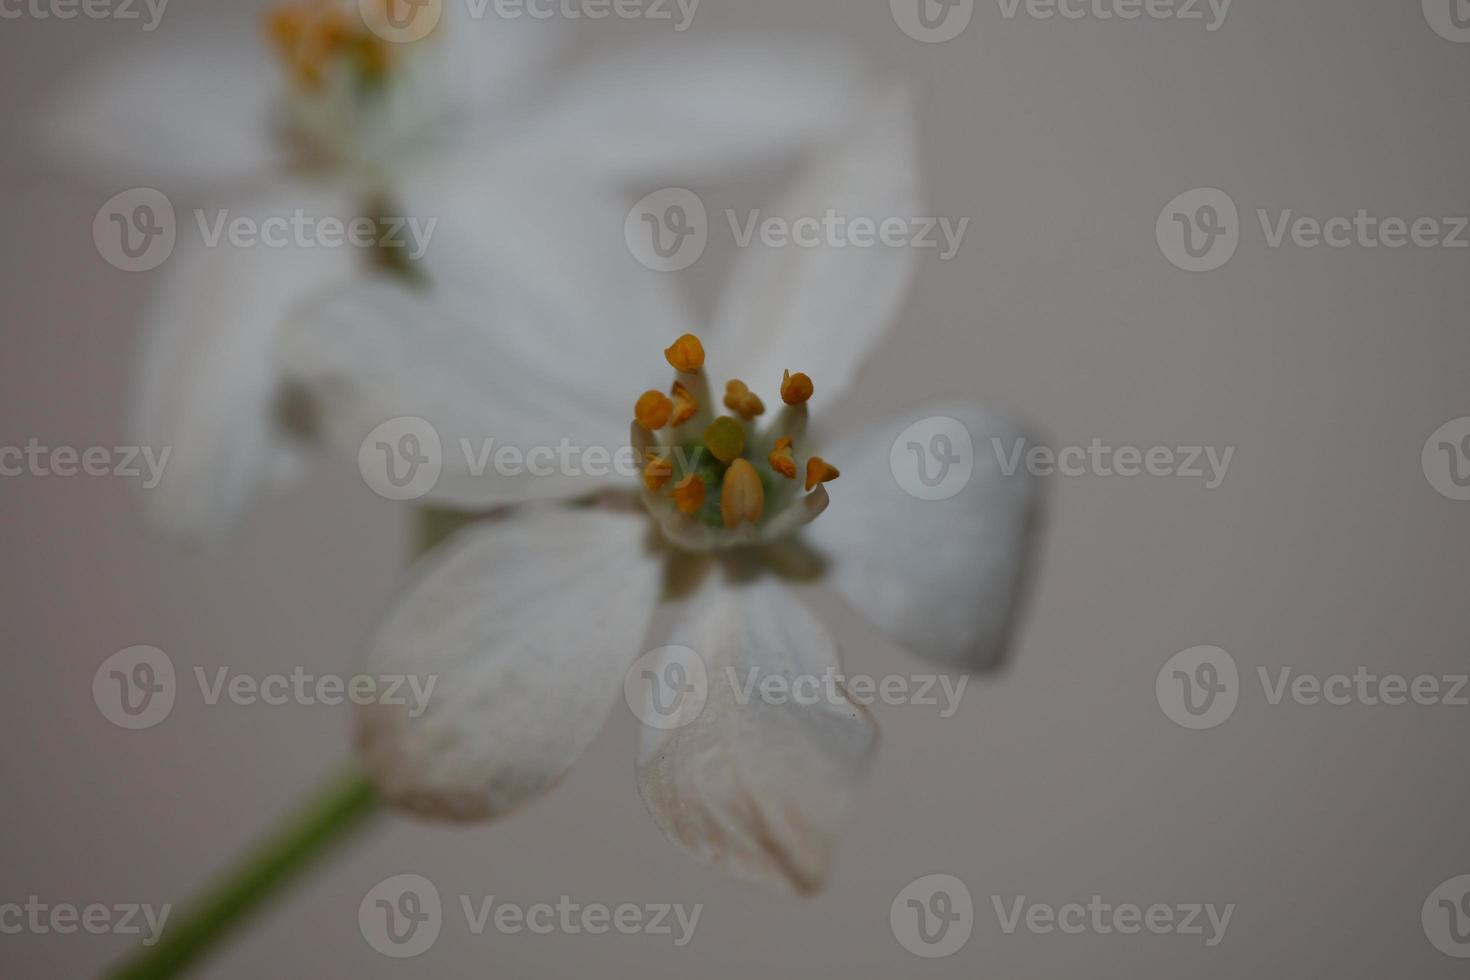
[1060,778]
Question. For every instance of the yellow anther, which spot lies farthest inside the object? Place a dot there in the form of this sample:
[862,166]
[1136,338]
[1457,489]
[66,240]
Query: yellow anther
[658,472]
[741,496]
[725,439]
[796,389]
[818,470]
[686,354]
[311,34]
[689,495]
[684,404]
[653,410]
[742,401]
[781,459]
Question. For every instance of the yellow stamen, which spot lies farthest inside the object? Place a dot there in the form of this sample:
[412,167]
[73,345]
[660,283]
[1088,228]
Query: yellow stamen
[657,473]
[653,410]
[311,34]
[796,389]
[781,459]
[686,354]
[741,496]
[725,439]
[818,470]
[684,404]
[742,401]
[689,495]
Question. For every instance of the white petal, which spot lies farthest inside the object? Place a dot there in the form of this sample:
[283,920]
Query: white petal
[822,309]
[194,107]
[490,62]
[525,627]
[533,332]
[760,789]
[207,385]
[691,110]
[941,577]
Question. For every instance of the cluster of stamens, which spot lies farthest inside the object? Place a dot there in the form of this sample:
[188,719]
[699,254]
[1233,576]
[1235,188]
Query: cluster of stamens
[312,36]
[723,471]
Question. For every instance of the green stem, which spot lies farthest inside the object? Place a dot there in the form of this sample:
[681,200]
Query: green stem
[342,806]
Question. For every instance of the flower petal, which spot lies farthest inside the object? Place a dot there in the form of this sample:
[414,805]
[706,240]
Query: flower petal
[207,384]
[823,308]
[941,577]
[525,627]
[698,111]
[759,789]
[533,332]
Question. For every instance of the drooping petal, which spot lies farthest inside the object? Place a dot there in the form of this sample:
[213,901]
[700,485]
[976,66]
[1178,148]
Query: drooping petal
[195,107]
[525,627]
[933,557]
[208,387]
[696,110]
[756,785]
[826,305]
[533,332]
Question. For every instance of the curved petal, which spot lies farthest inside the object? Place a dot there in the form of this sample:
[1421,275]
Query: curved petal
[821,309]
[207,385]
[533,332]
[196,108]
[943,577]
[524,627]
[756,785]
[696,110]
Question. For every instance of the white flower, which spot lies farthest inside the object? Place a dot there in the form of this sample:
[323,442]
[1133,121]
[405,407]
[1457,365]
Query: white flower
[464,127]
[529,620]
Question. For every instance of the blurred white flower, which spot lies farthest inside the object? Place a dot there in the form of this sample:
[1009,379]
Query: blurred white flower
[466,127]
[530,620]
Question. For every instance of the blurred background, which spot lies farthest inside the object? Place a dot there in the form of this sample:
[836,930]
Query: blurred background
[1329,546]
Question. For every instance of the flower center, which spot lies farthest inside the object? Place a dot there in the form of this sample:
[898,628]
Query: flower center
[316,38]
[720,481]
